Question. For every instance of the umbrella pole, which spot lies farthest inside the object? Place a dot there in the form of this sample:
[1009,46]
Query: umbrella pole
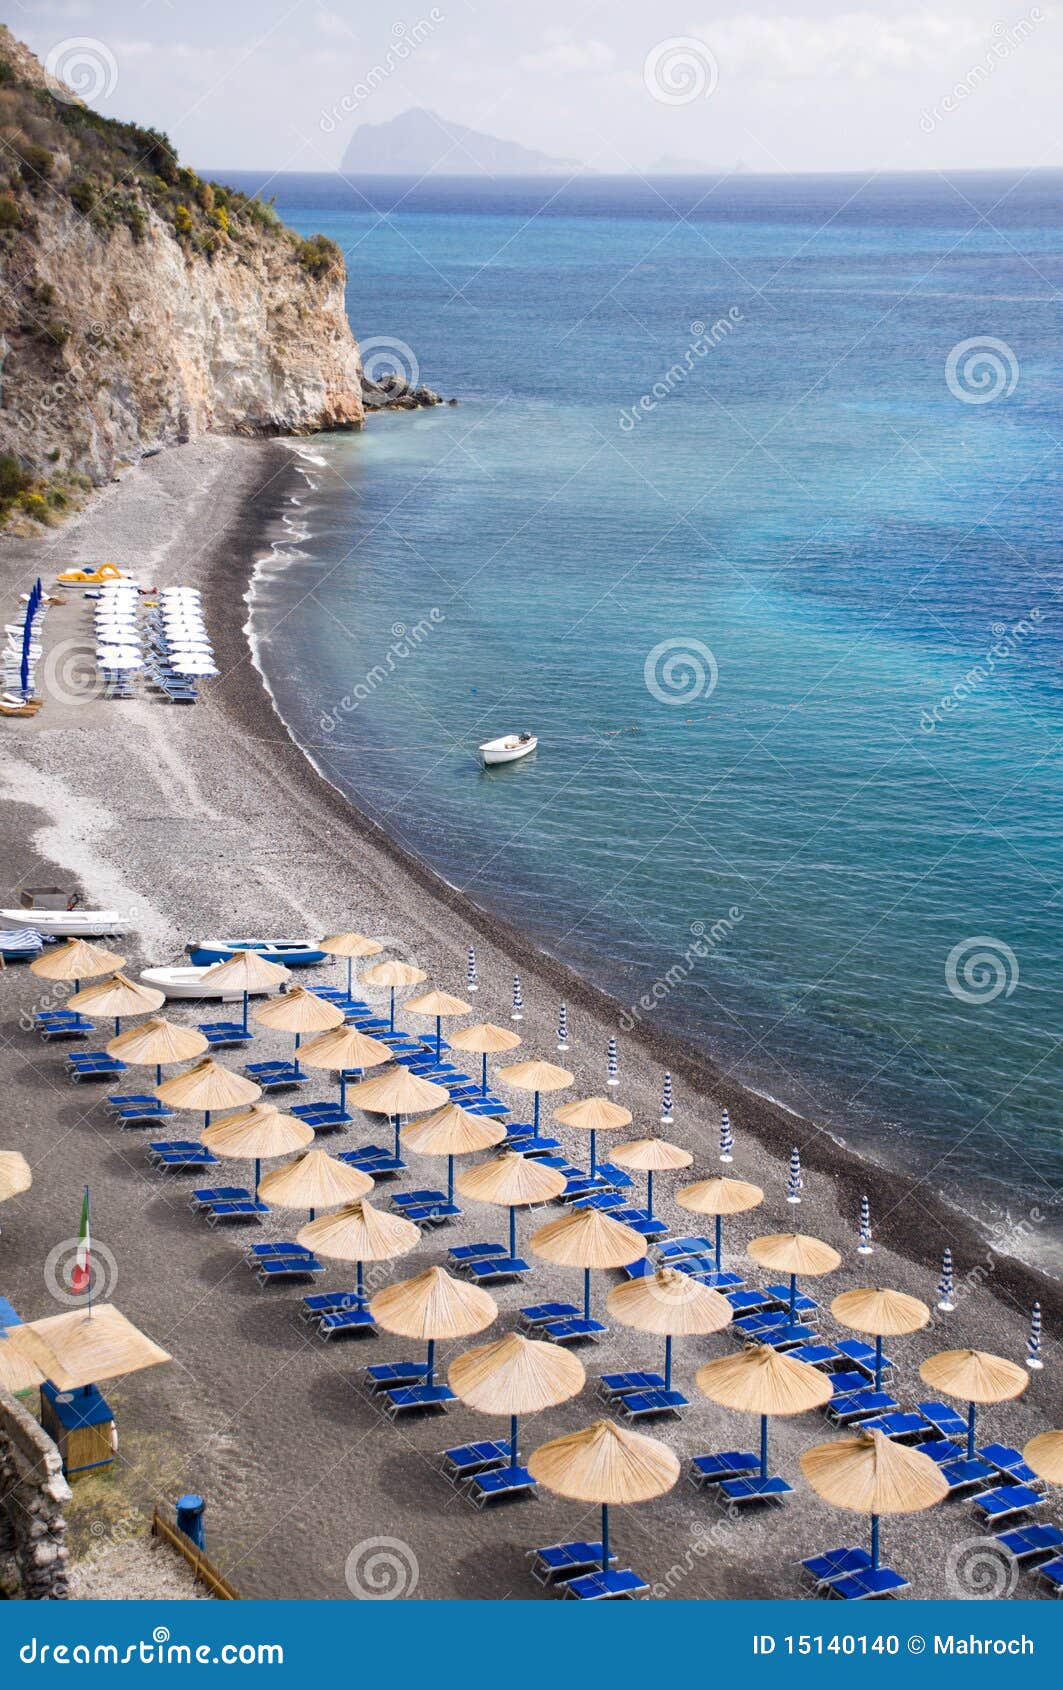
[878,1363]
[874,1543]
[439,1038]
[359,1289]
[594,1153]
[258,1171]
[350,975]
[719,1243]
[605,1537]
[513,1440]
[535,1116]
[668,1362]
[512,1230]
[206,1119]
[763,1446]
[392,1009]
[430,1362]
[450,1179]
[586,1293]
[793,1295]
[311,1214]
[970,1431]
[158,1073]
[297,1069]
[343,1091]
[483,1075]
[247,1029]
[117,1025]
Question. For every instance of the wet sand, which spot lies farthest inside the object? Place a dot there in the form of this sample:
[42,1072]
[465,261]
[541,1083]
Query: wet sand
[208,820]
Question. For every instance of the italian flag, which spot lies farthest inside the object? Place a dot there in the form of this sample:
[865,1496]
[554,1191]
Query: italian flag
[81,1274]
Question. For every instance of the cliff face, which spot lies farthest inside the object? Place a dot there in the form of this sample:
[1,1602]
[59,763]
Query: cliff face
[141,306]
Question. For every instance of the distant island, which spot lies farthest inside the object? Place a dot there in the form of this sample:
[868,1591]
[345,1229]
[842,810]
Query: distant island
[421,143]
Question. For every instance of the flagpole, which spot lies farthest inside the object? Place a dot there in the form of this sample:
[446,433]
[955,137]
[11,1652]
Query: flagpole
[88,1241]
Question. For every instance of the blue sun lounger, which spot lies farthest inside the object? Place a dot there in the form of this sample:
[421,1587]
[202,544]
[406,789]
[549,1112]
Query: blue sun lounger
[756,1489]
[236,1210]
[862,1356]
[844,1384]
[417,1199]
[208,1194]
[836,1564]
[642,1405]
[600,1586]
[1052,1573]
[817,1355]
[571,1331]
[476,1252]
[866,1586]
[780,1295]
[384,1375]
[581,1186]
[323,1117]
[538,1314]
[137,1113]
[1010,1465]
[675,1248]
[93,1065]
[355,1323]
[1007,1500]
[328,1302]
[178,1160]
[528,1145]
[788,1337]
[616,1176]
[747,1302]
[604,1201]
[566,1561]
[467,1459]
[272,1076]
[767,1320]
[1027,1541]
[271,1268]
[220,1034]
[428,1214]
[641,1269]
[284,1247]
[496,1267]
[62,1024]
[860,1405]
[612,1385]
[898,1425]
[713,1469]
[404,1399]
[498,1484]
[647,1226]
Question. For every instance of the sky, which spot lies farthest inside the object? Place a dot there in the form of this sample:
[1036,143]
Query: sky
[620,85]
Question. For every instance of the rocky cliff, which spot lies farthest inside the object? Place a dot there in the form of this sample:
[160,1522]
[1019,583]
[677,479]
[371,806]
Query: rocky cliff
[141,306]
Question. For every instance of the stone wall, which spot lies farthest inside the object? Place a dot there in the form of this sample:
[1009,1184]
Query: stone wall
[33,1493]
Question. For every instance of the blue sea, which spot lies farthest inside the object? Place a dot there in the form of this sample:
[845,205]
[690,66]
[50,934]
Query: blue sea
[751,508]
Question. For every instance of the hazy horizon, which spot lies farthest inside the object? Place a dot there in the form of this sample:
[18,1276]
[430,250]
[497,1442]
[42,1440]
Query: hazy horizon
[792,86]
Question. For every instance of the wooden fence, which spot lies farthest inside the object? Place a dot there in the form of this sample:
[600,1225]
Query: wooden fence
[164,1525]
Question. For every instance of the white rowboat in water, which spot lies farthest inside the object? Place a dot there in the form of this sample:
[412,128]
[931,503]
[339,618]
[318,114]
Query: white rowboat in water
[507,749]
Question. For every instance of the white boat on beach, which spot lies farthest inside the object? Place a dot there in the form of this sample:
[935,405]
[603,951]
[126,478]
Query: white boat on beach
[70,924]
[187,983]
[507,749]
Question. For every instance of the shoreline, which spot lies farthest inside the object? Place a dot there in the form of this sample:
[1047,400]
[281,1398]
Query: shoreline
[774,1123]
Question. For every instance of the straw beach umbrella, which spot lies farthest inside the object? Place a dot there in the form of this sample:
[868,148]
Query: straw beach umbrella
[207,1087]
[486,1039]
[80,1348]
[536,1076]
[719,1197]
[17,1371]
[397,1092]
[435,1308]
[299,1012]
[608,1465]
[440,1005]
[116,995]
[76,960]
[588,1239]
[653,1156]
[515,1375]
[258,1134]
[350,945]
[513,1182]
[156,1043]
[882,1314]
[974,1377]
[451,1131]
[794,1253]
[315,1181]
[343,1049]
[871,1474]
[392,975]
[670,1303]
[246,972]
[359,1233]
[763,1381]
[1045,1455]
[593,1115]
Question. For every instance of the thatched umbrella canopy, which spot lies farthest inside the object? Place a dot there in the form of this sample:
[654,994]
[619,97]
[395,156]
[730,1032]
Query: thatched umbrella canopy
[15,1174]
[77,960]
[246,972]
[513,1182]
[359,1233]
[344,1048]
[397,1092]
[515,1375]
[593,1115]
[589,1239]
[1045,1455]
[870,1474]
[299,1011]
[794,1253]
[651,1156]
[671,1304]
[435,1308]
[391,976]
[763,1381]
[156,1043]
[719,1197]
[974,1377]
[314,1181]
[207,1086]
[350,945]
[439,1005]
[882,1314]
[451,1131]
[486,1040]
[82,1348]
[116,995]
[606,1464]
[257,1135]
[17,1371]
[536,1076]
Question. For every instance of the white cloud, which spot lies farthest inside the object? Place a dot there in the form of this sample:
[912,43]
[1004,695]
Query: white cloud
[564,53]
[855,44]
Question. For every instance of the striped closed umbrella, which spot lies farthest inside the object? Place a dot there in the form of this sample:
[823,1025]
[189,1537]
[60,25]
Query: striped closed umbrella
[472,979]
[613,1064]
[864,1247]
[517,1013]
[727,1137]
[1033,1342]
[562,1027]
[794,1182]
[946,1288]
[666,1102]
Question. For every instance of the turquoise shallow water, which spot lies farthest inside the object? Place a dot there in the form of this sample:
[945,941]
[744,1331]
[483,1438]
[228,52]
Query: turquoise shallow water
[825,534]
